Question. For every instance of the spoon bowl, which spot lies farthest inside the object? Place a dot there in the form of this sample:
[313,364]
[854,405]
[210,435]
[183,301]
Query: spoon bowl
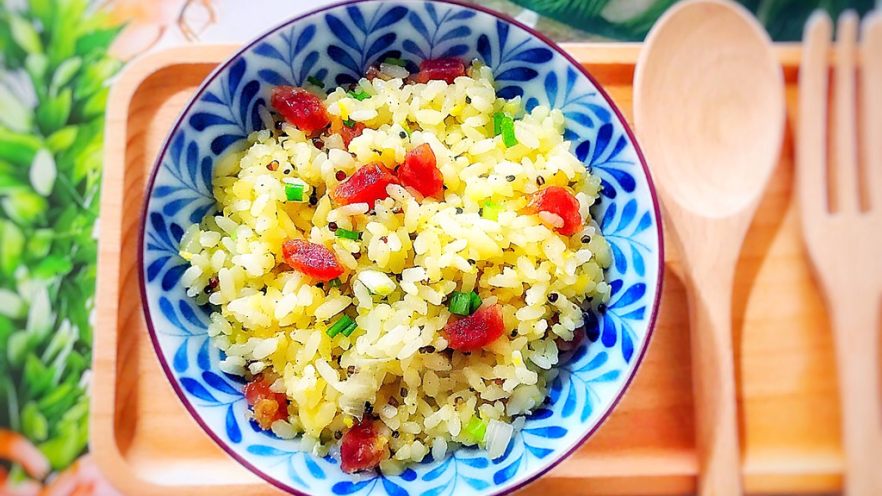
[709,109]
[717,88]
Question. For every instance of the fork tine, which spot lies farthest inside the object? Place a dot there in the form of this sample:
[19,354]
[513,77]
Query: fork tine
[811,145]
[871,85]
[844,128]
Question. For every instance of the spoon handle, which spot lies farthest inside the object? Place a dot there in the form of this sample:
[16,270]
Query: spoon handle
[713,383]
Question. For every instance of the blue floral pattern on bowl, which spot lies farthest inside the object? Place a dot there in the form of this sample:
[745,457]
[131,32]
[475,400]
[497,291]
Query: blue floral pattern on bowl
[335,45]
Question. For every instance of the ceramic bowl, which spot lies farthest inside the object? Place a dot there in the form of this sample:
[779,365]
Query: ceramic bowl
[336,44]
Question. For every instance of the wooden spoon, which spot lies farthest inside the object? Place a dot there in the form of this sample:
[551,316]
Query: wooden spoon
[709,112]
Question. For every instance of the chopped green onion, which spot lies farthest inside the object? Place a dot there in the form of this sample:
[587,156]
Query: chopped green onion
[294,191]
[498,117]
[490,210]
[460,303]
[349,123]
[474,302]
[476,428]
[359,95]
[335,282]
[347,234]
[350,329]
[394,61]
[339,326]
[508,134]
[316,81]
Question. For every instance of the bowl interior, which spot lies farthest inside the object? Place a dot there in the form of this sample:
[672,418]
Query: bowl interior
[336,45]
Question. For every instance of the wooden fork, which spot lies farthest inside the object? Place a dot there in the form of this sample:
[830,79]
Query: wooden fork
[841,207]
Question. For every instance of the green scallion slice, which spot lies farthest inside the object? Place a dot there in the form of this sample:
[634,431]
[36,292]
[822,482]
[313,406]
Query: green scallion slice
[476,428]
[347,234]
[394,61]
[490,210]
[350,329]
[460,303]
[335,283]
[474,302]
[349,123]
[294,191]
[498,118]
[508,134]
[316,81]
[360,94]
[339,326]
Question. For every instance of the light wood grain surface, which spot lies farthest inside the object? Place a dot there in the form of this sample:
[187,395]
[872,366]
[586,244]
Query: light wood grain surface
[146,443]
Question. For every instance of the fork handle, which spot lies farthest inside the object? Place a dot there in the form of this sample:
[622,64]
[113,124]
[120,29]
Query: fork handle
[855,321]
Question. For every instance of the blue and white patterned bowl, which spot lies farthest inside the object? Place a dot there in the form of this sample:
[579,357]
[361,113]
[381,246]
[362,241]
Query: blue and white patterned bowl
[336,44]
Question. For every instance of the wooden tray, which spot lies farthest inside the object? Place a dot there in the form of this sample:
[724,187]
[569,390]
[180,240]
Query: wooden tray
[146,443]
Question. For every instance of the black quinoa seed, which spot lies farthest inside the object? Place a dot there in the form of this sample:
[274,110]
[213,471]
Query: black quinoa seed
[402,135]
[427,349]
[403,392]
[313,200]
[395,434]
[368,408]
[472,261]
[514,333]
[586,239]
[540,180]
[510,178]
[468,99]
[338,434]
[351,369]
[552,297]
[340,175]
[286,171]
[332,226]
[279,125]
[459,210]
[601,308]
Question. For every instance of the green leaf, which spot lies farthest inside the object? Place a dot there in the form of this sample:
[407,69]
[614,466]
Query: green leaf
[15,115]
[37,65]
[12,413]
[43,173]
[97,41]
[33,423]
[24,207]
[64,447]
[42,10]
[94,105]
[52,266]
[38,378]
[94,77]
[41,317]
[65,73]
[24,34]
[69,16]
[62,139]
[18,148]
[39,243]
[59,400]
[11,304]
[19,345]
[12,243]
[53,112]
